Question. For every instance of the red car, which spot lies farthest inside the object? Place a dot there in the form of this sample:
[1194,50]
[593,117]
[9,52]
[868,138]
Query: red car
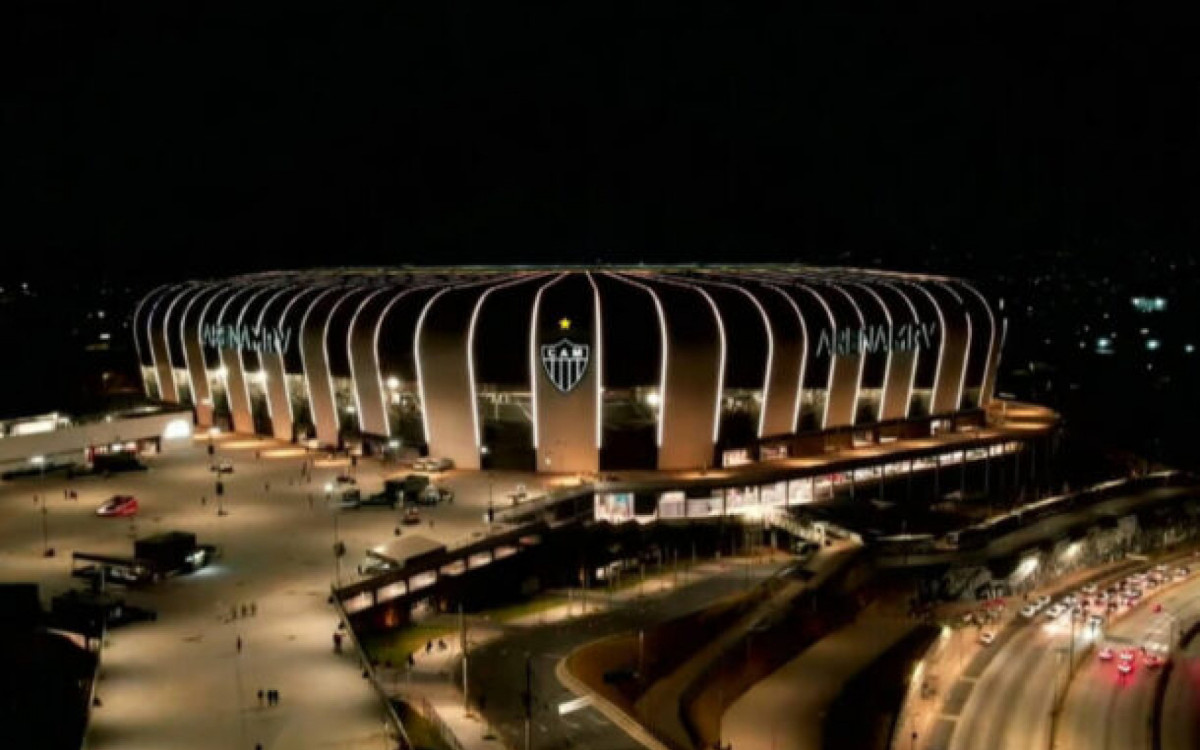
[119,506]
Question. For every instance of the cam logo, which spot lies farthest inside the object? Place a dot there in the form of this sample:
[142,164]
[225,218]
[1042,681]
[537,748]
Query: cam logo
[565,363]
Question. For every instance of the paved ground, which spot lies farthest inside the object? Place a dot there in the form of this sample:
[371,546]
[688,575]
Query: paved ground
[179,682]
[786,710]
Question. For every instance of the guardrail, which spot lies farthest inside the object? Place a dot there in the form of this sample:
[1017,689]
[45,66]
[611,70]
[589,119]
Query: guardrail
[369,670]
[979,535]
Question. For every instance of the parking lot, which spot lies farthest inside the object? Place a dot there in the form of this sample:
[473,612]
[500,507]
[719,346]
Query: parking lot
[180,682]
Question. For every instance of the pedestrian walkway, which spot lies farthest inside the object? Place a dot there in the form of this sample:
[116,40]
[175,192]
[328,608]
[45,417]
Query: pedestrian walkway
[430,685]
[786,710]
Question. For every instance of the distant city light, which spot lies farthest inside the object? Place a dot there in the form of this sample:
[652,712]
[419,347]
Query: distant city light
[1149,304]
[1152,344]
[1104,345]
[1189,348]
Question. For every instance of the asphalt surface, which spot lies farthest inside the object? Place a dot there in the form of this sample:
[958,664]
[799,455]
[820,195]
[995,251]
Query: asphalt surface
[1005,696]
[1106,712]
[498,668]
[1181,706]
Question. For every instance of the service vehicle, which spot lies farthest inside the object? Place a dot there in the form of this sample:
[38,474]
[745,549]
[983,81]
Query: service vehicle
[154,558]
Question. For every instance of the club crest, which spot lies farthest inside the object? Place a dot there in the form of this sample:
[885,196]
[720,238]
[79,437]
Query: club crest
[565,363]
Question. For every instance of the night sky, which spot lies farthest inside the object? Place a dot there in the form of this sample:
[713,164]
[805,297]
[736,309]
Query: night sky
[166,140]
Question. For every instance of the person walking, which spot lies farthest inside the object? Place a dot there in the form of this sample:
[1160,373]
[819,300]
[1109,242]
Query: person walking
[253,609]
[203,500]
[260,698]
[239,644]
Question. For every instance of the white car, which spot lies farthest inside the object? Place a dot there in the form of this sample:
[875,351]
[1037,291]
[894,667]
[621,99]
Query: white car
[1089,588]
[1055,612]
[1029,610]
[987,637]
[1042,601]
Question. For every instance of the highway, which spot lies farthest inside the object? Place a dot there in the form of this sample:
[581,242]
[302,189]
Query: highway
[1005,697]
[1104,710]
[1010,685]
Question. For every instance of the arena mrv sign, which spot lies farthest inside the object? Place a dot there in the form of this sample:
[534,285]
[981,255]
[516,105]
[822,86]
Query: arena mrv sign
[246,338]
[906,337]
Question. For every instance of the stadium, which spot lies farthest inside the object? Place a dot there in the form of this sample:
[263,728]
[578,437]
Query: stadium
[577,370]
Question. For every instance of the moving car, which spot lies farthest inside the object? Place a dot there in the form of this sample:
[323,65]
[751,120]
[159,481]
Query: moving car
[1055,612]
[1105,654]
[345,479]
[1152,660]
[118,506]
[222,467]
[986,637]
[1029,610]
[1125,667]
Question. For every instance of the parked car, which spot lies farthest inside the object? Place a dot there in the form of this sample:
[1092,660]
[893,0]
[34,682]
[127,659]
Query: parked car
[345,479]
[118,506]
[434,495]
[411,516]
[433,464]
[222,467]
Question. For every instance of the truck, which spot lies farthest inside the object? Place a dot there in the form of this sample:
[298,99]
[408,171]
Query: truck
[154,558]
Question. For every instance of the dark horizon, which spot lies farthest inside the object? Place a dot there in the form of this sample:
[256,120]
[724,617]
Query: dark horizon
[236,141]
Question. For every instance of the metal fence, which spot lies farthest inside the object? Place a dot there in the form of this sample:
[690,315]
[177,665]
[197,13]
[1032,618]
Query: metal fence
[369,671]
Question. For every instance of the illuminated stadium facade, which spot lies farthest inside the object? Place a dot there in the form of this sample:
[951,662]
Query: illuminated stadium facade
[577,369]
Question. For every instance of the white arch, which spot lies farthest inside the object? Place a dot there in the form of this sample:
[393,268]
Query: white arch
[937,374]
[962,378]
[662,332]
[833,337]
[599,337]
[533,370]
[284,289]
[987,363]
[803,355]
[887,367]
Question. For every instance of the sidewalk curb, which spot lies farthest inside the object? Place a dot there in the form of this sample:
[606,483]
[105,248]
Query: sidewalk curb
[628,724]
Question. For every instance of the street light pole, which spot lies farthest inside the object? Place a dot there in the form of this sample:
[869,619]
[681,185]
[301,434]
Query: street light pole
[47,551]
[528,697]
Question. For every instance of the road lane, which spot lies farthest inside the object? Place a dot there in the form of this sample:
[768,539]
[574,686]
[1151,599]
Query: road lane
[1104,710]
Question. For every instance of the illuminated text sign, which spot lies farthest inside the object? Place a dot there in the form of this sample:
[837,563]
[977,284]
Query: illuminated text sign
[246,338]
[906,337]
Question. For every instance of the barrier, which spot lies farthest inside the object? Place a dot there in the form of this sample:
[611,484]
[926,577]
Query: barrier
[372,677]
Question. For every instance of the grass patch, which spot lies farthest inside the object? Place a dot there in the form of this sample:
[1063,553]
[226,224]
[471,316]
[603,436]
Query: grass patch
[421,731]
[527,608]
[395,646]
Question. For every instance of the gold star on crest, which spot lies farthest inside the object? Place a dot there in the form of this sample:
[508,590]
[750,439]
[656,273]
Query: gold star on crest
[564,324]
